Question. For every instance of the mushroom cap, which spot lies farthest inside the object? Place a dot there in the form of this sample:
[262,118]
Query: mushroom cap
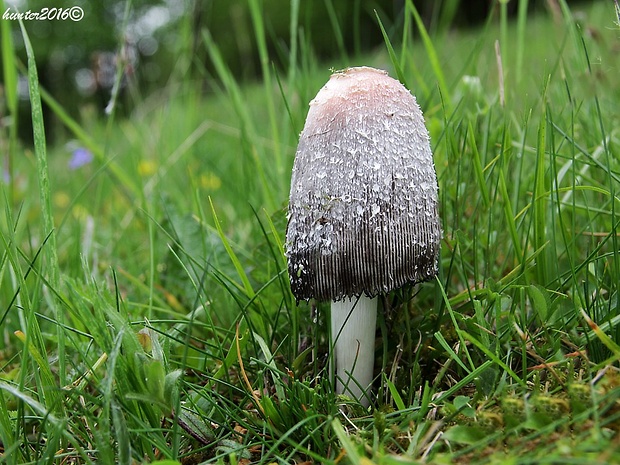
[363,203]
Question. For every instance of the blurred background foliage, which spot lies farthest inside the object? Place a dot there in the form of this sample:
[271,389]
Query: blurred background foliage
[79,60]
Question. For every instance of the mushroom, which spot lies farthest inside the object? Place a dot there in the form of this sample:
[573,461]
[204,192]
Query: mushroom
[362,215]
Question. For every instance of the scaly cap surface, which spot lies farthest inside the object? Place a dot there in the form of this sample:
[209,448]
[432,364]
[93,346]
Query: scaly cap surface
[363,203]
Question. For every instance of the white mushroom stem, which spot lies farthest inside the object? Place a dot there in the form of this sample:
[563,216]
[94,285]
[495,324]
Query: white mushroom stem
[353,323]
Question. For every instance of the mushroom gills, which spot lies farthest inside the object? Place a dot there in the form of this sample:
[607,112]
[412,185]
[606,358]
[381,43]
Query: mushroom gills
[353,325]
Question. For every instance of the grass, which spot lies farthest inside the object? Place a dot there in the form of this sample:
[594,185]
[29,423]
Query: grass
[153,321]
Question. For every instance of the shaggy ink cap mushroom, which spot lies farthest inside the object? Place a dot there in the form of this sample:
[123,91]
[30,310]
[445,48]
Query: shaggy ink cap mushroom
[363,202]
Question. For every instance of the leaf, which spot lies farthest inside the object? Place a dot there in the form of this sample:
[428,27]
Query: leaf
[196,426]
[463,434]
[352,454]
[461,402]
[155,379]
[539,302]
[269,359]
[171,387]
[228,447]
[273,412]
[398,401]
[123,443]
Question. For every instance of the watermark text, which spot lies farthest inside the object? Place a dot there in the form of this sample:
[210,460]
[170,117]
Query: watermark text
[74,13]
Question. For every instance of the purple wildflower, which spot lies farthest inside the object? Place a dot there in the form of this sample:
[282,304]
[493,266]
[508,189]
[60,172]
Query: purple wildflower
[80,157]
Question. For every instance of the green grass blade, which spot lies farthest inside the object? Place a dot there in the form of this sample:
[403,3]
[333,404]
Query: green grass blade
[604,338]
[398,400]
[443,343]
[333,19]
[432,56]
[51,252]
[286,102]
[405,39]
[249,290]
[470,378]
[573,26]
[478,170]
[351,451]
[494,358]
[122,435]
[455,323]
[393,58]
[521,23]
[539,198]
[509,214]
[503,28]
[7,434]
[269,360]
[263,54]
[40,149]
[9,69]
[293,35]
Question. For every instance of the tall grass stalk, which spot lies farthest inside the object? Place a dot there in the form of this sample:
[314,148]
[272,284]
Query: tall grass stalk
[432,56]
[503,28]
[393,57]
[337,30]
[539,197]
[521,40]
[51,265]
[261,41]
[9,70]
[293,64]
